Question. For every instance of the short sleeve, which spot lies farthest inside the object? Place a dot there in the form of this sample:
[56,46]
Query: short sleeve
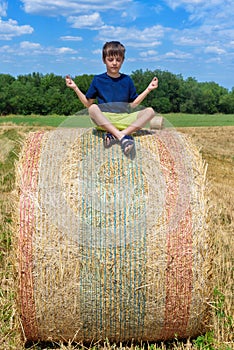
[132,91]
[92,90]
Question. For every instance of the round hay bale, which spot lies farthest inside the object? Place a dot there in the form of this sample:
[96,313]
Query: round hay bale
[111,247]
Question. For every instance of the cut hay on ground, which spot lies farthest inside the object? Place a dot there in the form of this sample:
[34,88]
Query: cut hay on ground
[110,247]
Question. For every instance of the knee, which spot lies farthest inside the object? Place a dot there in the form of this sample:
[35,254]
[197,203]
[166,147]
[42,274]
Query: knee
[151,112]
[93,109]
[147,113]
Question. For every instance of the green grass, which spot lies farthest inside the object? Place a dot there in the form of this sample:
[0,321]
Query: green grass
[176,119]
[194,120]
[81,121]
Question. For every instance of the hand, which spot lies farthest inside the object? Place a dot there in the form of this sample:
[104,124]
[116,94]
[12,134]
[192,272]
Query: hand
[154,84]
[70,83]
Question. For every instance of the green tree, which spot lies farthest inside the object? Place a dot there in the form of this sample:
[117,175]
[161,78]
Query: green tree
[212,94]
[5,82]
[24,98]
[227,103]
[190,94]
[48,94]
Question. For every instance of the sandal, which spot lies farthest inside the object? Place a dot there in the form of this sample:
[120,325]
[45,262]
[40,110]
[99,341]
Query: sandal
[109,140]
[127,144]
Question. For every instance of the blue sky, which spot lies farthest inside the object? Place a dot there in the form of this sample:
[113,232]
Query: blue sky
[194,38]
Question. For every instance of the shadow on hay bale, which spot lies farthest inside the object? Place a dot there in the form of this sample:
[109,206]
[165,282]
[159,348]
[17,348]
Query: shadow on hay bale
[110,247]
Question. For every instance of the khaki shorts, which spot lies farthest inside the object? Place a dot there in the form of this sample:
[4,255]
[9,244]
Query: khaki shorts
[120,120]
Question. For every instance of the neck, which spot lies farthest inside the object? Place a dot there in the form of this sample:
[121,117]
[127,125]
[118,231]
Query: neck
[113,75]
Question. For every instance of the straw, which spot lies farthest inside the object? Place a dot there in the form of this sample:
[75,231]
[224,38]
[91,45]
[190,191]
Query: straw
[112,247]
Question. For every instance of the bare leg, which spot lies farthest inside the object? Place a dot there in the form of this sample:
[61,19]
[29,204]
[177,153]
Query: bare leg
[143,118]
[99,119]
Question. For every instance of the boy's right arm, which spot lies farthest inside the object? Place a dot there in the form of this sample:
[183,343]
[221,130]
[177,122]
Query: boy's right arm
[71,84]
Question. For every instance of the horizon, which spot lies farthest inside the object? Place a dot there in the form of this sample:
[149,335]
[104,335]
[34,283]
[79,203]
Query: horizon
[192,39]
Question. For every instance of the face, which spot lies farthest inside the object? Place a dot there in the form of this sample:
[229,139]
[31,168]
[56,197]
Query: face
[113,64]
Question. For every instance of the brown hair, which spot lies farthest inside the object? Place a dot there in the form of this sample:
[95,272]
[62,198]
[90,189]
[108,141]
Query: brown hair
[113,48]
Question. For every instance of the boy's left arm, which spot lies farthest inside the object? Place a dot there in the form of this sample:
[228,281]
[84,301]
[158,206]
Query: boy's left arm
[152,85]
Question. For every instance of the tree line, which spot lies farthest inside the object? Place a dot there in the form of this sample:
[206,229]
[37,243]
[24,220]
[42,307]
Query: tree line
[47,94]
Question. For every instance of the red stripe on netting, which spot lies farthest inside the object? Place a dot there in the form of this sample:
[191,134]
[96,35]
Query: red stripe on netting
[28,187]
[179,247]
[178,280]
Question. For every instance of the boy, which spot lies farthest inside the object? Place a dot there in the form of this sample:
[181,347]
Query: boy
[115,92]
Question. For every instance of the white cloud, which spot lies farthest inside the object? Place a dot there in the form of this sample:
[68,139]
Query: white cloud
[3,8]
[215,50]
[148,53]
[187,40]
[148,37]
[92,21]
[178,55]
[71,38]
[215,59]
[97,52]
[27,45]
[6,49]
[189,4]
[215,37]
[65,50]
[71,7]
[124,14]
[10,29]
[25,48]
[158,9]
[154,56]
[212,11]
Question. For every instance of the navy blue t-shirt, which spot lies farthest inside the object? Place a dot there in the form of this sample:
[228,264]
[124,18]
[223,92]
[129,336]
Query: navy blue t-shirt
[108,91]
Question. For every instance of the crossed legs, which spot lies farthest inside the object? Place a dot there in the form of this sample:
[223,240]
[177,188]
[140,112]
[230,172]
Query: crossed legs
[99,119]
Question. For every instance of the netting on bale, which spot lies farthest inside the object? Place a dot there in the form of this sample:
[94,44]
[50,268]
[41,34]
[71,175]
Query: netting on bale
[111,247]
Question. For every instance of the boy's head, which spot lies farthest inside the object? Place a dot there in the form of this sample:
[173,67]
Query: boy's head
[113,48]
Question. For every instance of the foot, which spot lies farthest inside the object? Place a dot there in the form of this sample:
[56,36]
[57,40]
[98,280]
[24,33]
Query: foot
[109,140]
[127,144]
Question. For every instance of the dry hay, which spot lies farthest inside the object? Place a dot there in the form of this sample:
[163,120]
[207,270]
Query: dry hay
[110,247]
[6,147]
